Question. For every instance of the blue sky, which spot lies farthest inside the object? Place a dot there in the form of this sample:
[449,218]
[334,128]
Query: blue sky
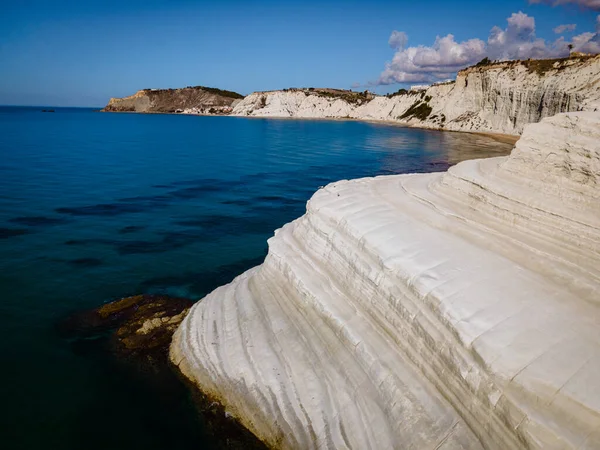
[80,53]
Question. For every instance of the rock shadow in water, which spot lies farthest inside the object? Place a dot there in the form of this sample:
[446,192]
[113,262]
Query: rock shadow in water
[91,241]
[183,190]
[131,229]
[106,209]
[279,215]
[6,233]
[277,200]
[237,202]
[86,262]
[144,203]
[145,247]
[209,228]
[207,183]
[169,241]
[38,221]
[201,283]
[127,205]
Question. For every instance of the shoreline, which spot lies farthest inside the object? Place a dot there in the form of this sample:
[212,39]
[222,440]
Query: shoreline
[505,138]
[500,137]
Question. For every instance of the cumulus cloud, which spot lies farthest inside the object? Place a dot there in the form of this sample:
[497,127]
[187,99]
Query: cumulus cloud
[565,28]
[587,42]
[398,40]
[517,40]
[424,64]
[594,5]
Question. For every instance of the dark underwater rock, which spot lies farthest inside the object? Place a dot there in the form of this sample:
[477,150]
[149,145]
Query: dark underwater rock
[143,324]
[131,229]
[86,262]
[38,221]
[137,331]
[6,233]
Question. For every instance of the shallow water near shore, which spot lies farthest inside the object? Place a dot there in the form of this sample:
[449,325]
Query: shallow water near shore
[95,207]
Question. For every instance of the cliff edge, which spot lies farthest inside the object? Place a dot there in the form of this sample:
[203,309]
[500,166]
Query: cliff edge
[454,310]
[191,100]
[495,97]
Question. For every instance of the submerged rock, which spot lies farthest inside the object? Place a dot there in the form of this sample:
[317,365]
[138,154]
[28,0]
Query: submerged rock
[139,330]
[454,310]
[6,233]
[143,324]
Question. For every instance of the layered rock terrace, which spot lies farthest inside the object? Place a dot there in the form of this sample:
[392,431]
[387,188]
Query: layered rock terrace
[454,310]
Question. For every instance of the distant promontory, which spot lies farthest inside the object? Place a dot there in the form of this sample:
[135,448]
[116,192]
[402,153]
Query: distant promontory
[194,100]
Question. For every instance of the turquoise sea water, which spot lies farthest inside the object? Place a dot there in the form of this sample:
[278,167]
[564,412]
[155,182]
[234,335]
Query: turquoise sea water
[95,207]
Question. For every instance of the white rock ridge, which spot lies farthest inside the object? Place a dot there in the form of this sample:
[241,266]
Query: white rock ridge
[455,310]
[500,98]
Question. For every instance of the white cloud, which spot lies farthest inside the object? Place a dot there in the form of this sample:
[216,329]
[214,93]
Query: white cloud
[586,43]
[567,27]
[446,56]
[398,40]
[517,41]
[426,64]
[594,5]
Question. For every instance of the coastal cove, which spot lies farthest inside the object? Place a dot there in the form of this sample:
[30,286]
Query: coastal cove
[493,97]
[96,207]
[499,137]
[300,225]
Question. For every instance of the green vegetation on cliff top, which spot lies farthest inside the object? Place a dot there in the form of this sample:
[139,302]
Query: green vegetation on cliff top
[216,91]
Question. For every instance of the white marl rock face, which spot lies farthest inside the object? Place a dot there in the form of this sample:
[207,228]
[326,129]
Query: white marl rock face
[455,310]
[500,98]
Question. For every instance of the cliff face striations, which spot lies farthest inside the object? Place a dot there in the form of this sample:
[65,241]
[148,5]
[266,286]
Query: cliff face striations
[454,310]
[500,97]
[495,97]
[200,100]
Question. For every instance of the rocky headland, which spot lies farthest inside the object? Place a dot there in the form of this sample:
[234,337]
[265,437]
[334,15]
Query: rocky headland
[498,97]
[190,100]
[454,310]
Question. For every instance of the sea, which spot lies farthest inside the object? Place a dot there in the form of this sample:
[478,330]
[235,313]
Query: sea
[98,206]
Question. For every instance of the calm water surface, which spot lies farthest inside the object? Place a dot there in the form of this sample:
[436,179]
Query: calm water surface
[94,207]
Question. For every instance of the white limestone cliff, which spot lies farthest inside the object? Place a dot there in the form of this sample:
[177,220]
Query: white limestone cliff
[455,310]
[501,97]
